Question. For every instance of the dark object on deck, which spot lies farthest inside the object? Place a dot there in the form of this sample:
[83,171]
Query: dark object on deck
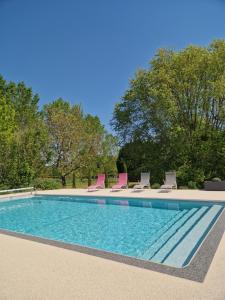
[214,185]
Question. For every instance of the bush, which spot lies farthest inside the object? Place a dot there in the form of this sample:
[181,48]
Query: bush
[216,179]
[46,184]
[183,187]
[192,185]
[132,184]
[155,186]
[186,173]
[4,187]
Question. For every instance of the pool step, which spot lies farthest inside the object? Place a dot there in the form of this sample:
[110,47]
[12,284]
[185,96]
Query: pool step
[161,232]
[181,254]
[162,254]
[163,239]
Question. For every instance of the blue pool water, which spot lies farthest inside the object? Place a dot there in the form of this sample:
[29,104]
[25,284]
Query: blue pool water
[167,232]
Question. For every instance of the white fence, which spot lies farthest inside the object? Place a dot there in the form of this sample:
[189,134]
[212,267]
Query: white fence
[17,190]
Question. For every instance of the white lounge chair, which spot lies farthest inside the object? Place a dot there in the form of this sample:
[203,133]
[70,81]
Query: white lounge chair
[145,182]
[170,181]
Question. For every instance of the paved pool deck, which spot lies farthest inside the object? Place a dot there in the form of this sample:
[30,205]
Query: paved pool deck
[31,270]
[147,193]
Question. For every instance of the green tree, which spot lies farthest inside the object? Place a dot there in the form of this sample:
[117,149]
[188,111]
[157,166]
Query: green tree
[7,127]
[108,155]
[93,133]
[177,107]
[7,120]
[65,124]
[24,157]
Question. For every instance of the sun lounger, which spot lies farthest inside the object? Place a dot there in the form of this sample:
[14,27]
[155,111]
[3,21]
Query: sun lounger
[170,181]
[145,182]
[122,182]
[100,184]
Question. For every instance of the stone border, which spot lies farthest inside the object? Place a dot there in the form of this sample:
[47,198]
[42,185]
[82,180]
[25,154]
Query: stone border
[196,270]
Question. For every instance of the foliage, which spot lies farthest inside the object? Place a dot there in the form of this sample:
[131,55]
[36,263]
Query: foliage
[173,115]
[7,120]
[216,179]
[155,186]
[7,126]
[65,125]
[192,185]
[108,156]
[22,135]
[79,144]
[57,141]
[46,184]
[93,132]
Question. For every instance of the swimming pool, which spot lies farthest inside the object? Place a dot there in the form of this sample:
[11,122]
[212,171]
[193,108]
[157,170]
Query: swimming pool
[162,231]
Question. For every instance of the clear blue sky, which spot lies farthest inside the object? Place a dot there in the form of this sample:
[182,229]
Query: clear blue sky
[85,51]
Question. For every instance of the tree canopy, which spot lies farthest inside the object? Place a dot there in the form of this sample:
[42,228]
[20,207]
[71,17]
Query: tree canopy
[175,110]
[59,139]
[23,135]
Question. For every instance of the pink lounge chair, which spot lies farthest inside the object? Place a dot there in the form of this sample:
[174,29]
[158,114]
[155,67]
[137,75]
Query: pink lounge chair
[122,182]
[100,184]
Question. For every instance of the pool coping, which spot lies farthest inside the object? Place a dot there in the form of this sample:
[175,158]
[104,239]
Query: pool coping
[126,197]
[196,270]
[143,194]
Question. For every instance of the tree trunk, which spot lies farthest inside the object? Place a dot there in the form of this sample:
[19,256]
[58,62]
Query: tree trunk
[63,179]
[106,179]
[89,178]
[124,167]
[74,180]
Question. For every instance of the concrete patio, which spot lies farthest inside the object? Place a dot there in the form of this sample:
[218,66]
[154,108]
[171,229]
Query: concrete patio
[31,270]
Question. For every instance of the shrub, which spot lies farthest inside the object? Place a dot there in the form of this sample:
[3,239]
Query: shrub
[216,179]
[132,184]
[155,186]
[4,187]
[183,187]
[192,185]
[186,173]
[47,184]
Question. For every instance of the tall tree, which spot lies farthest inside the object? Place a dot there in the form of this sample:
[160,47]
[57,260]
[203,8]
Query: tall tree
[93,131]
[7,127]
[108,155]
[24,158]
[65,124]
[178,105]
